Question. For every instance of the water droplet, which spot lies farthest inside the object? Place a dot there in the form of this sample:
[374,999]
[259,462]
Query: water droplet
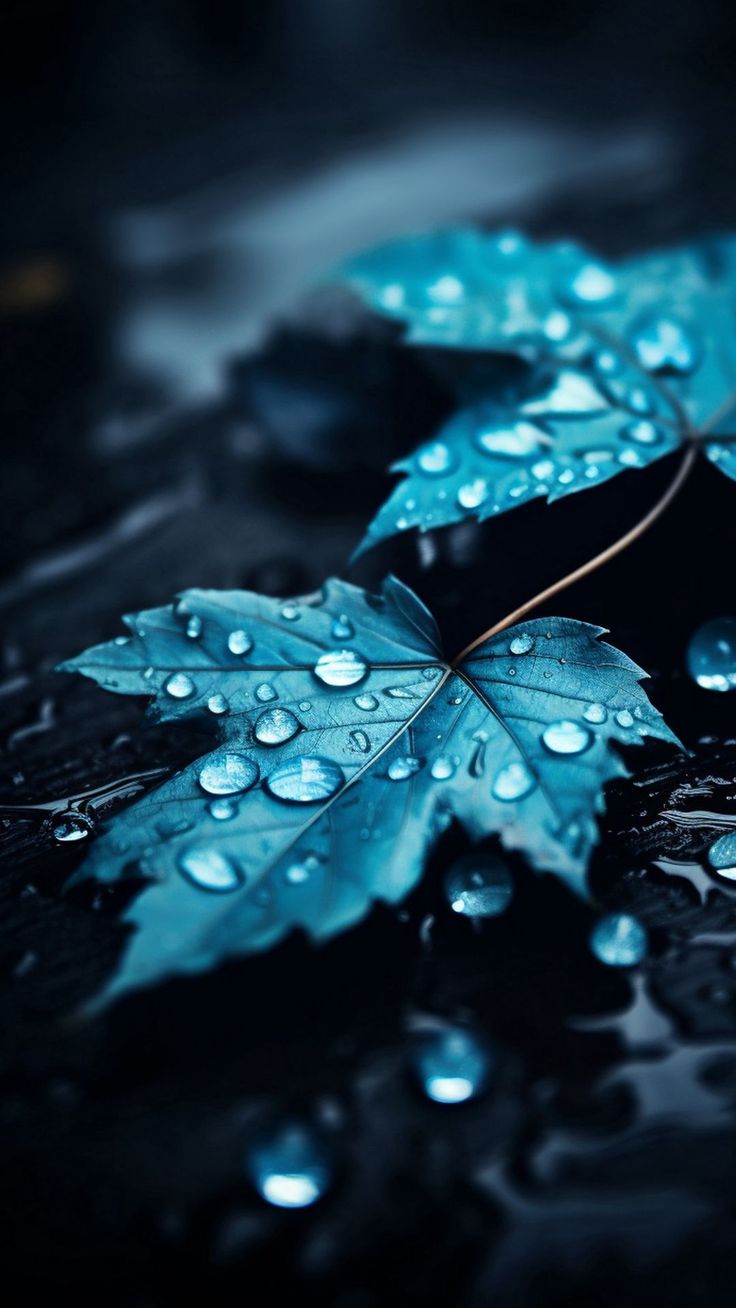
[306,779]
[442,769]
[619,940]
[179,686]
[544,470]
[400,769]
[722,856]
[521,644]
[566,477]
[217,704]
[239,642]
[517,441]
[290,612]
[479,886]
[452,1065]
[400,692]
[591,284]
[624,718]
[629,459]
[473,493]
[711,655]
[436,459]
[360,741]
[557,326]
[210,870]
[222,809]
[296,874]
[194,627]
[340,667]
[567,737]
[290,1168]
[642,431]
[366,702]
[447,289]
[228,774]
[665,345]
[342,628]
[595,713]
[275,727]
[430,674]
[72,826]
[514,781]
[264,693]
[305,706]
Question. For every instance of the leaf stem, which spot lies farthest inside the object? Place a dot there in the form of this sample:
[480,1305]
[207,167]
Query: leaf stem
[610,552]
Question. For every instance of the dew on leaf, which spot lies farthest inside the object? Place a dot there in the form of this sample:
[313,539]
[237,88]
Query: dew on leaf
[472,494]
[400,769]
[452,1065]
[479,885]
[360,741]
[217,704]
[642,431]
[567,737]
[619,940]
[306,779]
[70,827]
[265,693]
[625,718]
[239,642]
[276,726]
[298,873]
[436,459]
[290,1167]
[367,703]
[442,769]
[222,809]
[711,655]
[228,774]
[194,627]
[514,781]
[290,612]
[521,644]
[591,284]
[210,870]
[596,713]
[342,628]
[340,667]
[179,686]
[517,441]
[665,345]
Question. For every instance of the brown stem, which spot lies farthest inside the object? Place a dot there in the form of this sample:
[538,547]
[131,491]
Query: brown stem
[610,552]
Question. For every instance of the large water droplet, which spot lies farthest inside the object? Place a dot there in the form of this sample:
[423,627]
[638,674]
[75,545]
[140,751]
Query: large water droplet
[479,886]
[290,1168]
[567,737]
[665,345]
[217,704]
[239,642]
[452,1065]
[342,628]
[179,686]
[228,774]
[275,726]
[711,655]
[591,284]
[306,779]
[515,442]
[400,769]
[472,494]
[521,644]
[722,856]
[619,939]
[340,667]
[72,826]
[436,459]
[514,781]
[210,870]
[366,702]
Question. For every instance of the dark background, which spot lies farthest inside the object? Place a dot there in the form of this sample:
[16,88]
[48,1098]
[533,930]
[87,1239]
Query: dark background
[176,413]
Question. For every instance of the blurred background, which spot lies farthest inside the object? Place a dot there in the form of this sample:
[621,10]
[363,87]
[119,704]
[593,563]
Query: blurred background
[181,408]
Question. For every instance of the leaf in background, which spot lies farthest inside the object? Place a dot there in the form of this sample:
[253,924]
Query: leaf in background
[348,745]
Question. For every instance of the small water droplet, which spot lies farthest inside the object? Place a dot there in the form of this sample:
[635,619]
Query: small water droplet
[360,741]
[442,769]
[342,628]
[340,667]
[400,769]
[305,706]
[70,827]
[276,726]
[239,642]
[473,493]
[366,702]
[521,644]
[513,782]
[479,886]
[567,737]
[619,940]
[430,674]
[596,713]
[290,612]
[517,441]
[217,704]
[624,718]
[290,1167]
[566,477]
[194,627]
[642,431]
[210,870]
[664,345]
[452,1064]
[264,693]
[228,774]
[436,459]
[296,874]
[222,809]
[306,779]
[179,686]
[591,284]
[711,655]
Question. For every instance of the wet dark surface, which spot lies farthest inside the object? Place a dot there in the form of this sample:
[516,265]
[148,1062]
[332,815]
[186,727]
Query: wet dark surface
[598,1165]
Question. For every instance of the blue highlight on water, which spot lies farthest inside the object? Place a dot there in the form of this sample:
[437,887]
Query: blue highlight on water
[290,1166]
[452,1064]
[619,940]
